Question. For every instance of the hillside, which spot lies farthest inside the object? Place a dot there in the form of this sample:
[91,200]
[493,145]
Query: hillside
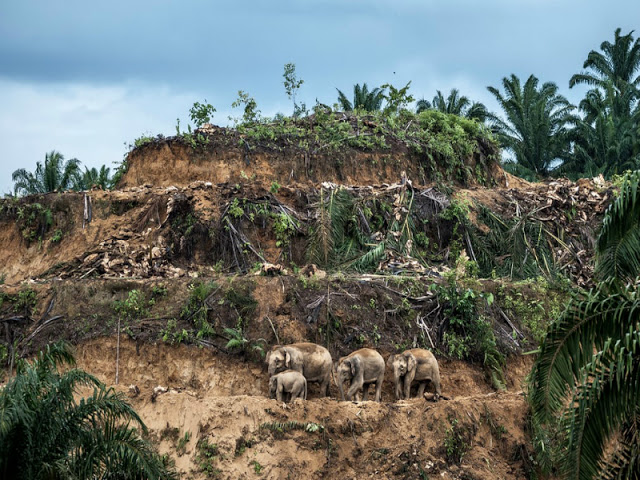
[273,240]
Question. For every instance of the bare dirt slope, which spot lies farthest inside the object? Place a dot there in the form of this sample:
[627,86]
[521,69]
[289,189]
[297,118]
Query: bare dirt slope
[213,220]
[236,432]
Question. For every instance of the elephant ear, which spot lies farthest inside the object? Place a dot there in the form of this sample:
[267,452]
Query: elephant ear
[355,366]
[411,361]
[266,359]
[390,360]
[287,359]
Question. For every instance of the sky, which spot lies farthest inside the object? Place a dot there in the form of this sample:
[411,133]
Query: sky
[87,78]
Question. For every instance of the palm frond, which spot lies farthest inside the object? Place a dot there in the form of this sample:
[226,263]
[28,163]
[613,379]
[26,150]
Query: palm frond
[608,395]
[618,245]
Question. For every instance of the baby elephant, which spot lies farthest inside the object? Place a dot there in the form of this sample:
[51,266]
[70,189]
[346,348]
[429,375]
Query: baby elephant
[288,382]
[414,365]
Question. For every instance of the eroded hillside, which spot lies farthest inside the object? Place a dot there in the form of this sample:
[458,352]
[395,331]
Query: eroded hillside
[253,239]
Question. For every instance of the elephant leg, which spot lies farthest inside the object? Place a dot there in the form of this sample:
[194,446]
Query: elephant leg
[379,389]
[356,385]
[421,388]
[408,380]
[294,395]
[279,393]
[324,385]
[365,392]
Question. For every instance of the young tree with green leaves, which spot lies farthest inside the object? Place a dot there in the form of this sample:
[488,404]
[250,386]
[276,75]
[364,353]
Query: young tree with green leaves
[55,175]
[46,431]
[585,384]
[536,124]
[291,85]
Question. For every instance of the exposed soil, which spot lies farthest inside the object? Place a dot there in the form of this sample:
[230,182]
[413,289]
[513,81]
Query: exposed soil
[223,401]
[172,228]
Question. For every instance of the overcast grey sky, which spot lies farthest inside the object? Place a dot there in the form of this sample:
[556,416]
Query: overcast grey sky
[85,78]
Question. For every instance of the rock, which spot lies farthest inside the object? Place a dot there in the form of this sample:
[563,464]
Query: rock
[134,391]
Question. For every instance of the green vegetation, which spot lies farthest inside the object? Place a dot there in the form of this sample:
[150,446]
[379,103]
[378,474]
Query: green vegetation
[55,175]
[46,432]
[454,104]
[468,333]
[584,385]
[457,442]
[363,99]
[196,310]
[537,125]
[94,177]
[291,85]
[206,457]
[282,427]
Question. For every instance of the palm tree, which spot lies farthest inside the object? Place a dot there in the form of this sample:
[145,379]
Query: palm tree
[363,99]
[45,432]
[607,136]
[55,174]
[89,178]
[585,384]
[616,66]
[536,127]
[603,142]
[454,104]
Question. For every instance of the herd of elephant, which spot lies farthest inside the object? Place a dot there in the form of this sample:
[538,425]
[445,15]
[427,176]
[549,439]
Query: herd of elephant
[292,366]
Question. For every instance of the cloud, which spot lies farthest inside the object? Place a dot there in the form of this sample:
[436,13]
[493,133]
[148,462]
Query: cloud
[91,123]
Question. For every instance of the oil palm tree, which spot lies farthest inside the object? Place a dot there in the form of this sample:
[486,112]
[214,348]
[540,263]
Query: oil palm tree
[608,135]
[585,384]
[602,141]
[55,174]
[45,432]
[455,104]
[363,99]
[618,65]
[536,124]
[92,177]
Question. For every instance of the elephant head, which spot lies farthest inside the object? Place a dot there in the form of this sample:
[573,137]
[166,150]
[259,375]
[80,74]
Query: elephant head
[348,368]
[278,359]
[404,370]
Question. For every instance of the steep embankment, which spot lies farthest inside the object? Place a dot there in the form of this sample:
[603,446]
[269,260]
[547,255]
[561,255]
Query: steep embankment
[324,147]
[233,431]
[306,231]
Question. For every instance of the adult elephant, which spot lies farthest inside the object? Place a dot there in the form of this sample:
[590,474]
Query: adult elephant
[361,368]
[313,361]
[414,365]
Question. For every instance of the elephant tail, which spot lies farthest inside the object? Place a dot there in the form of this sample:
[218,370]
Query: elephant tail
[305,388]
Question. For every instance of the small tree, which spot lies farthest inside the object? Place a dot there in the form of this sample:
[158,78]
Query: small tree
[251,113]
[291,85]
[397,98]
[201,113]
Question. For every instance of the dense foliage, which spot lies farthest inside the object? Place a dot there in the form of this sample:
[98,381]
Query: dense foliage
[46,432]
[585,384]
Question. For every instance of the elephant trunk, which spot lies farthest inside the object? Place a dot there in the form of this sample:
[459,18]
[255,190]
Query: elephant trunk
[397,381]
[339,382]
